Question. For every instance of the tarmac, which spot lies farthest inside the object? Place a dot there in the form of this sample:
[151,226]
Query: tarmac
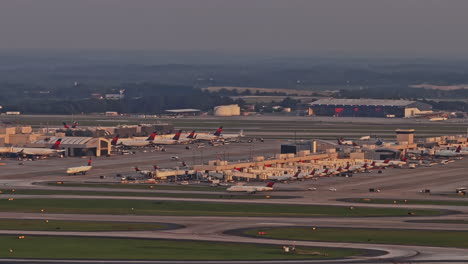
[394,183]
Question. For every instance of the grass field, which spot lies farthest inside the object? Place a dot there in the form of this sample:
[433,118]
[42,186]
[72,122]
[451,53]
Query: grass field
[59,247]
[142,186]
[145,207]
[440,238]
[145,194]
[88,226]
[396,201]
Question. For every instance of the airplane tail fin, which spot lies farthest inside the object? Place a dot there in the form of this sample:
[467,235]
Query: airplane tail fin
[459,148]
[339,141]
[155,167]
[270,184]
[152,136]
[114,140]
[90,161]
[75,124]
[65,125]
[137,169]
[177,135]
[192,135]
[57,144]
[218,131]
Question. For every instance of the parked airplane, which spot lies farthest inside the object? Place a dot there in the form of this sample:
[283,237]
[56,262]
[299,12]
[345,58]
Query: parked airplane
[34,152]
[133,142]
[381,163]
[418,151]
[322,172]
[251,189]
[346,142]
[218,135]
[284,177]
[451,153]
[398,162]
[189,138]
[74,125]
[337,171]
[168,141]
[143,172]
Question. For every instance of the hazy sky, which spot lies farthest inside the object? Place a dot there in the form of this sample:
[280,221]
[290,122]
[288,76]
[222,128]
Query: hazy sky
[292,26]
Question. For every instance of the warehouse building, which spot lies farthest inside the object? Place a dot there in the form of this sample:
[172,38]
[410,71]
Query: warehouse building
[227,110]
[183,112]
[367,108]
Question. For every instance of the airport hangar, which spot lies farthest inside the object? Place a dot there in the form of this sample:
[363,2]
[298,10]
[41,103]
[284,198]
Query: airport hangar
[79,146]
[367,108]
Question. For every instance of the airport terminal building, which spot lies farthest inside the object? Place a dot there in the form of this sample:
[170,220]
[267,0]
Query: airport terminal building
[367,108]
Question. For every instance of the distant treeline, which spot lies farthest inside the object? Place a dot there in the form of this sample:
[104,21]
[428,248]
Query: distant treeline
[144,98]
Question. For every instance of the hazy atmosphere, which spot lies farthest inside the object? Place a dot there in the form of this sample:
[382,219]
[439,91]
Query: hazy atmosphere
[233,131]
[421,27]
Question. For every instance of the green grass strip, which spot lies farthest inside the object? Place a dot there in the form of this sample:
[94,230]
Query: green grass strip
[59,247]
[146,207]
[408,201]
[85,226]
[145,194]
[438,238]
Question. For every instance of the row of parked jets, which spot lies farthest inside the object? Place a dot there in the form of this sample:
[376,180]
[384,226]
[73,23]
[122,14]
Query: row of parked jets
[178,138]
[376,164]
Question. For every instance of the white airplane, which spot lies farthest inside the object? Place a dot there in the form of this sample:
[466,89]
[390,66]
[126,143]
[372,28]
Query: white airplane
[54,150]
[398,162]
[355,168]
[365,138]
[418,151]
[251,189]
[133,142]
[74,125]
[451,152]
[346,142]
[381,163]
[168,141]
[143,172]
[337,171]
[322,172]
[218,135]
[189,138]
[81,169]
[284,177]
